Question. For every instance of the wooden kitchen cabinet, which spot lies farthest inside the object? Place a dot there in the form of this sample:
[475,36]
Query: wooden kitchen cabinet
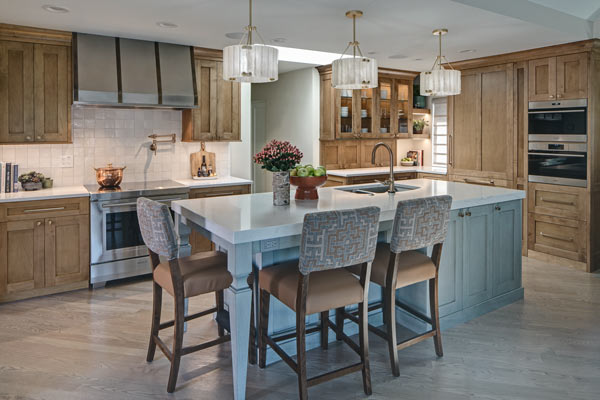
[35,92]
[382,157]
[217,117]
[558,78]
[351,153]
[199,242]
[481,126]
[44,247]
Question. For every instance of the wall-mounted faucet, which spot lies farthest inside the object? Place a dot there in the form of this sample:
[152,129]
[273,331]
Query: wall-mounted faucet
[154,146]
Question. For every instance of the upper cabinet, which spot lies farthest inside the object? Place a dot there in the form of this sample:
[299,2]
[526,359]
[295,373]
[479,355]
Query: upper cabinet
[217,117]
[35,85]
[558,78]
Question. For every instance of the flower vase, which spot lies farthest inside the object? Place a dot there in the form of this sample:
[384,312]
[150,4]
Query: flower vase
[281,188]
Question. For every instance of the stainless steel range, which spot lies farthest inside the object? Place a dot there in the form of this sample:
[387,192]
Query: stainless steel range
[117,247]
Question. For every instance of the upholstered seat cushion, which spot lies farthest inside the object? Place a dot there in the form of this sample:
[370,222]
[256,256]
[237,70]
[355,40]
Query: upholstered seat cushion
[327,289]
[202,273]
[413,267]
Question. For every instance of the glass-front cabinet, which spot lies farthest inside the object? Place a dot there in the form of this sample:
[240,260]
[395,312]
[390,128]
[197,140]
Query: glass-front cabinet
[384,121]
[367,104]
[346,113]
[403,108]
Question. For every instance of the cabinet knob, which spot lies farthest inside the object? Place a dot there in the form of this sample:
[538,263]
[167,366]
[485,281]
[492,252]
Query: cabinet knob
[460,214]
[551,96]
[468,213]
[39,223]
[50,222]
[498,208]
[27,137]
[39,137]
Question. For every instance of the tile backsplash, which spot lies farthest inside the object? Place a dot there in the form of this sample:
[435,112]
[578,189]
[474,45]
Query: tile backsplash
[117,136]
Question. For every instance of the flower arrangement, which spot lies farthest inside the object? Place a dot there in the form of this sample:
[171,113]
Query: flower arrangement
[31,177]
[278,156]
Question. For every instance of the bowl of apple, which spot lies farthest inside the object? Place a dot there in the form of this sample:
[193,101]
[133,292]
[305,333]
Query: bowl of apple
[307,179]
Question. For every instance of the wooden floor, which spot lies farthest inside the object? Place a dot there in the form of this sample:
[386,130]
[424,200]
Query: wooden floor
[92,345]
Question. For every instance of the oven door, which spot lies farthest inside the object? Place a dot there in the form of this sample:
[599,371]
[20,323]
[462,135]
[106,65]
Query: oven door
[115,230]
[560,168]
[565,125]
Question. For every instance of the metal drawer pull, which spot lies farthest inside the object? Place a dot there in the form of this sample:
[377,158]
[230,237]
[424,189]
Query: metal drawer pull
[135,203]
[219,194]
[489,183]
[555,112]
[556,237]
[468,213]
[567,203]
[460,214]
[44,209]
[557,155]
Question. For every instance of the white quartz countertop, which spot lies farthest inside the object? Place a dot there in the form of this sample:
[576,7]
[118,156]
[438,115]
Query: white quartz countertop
[251,217]
[346,173]
[45,194]
[208,183]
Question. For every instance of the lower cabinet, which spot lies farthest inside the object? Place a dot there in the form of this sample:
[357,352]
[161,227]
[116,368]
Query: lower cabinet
[199,242]
[450,274]
[477,256]
[44,247]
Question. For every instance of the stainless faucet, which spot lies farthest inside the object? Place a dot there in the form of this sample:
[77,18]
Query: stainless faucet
[390,181]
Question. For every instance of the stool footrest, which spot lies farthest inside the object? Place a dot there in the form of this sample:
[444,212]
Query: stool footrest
[205,345]
[334,374]
[170,323]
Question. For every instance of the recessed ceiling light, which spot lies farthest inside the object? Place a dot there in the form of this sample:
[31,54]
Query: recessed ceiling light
[279,40]
[468,51]
[397,56]
[235,35]
[55,9]
[164,24]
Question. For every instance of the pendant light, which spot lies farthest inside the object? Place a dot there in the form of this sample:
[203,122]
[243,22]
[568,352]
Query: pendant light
[440,81]
[356,72]
[248,61]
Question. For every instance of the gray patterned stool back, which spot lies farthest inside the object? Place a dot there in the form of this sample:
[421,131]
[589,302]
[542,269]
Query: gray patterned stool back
[336,239]
[157,227]
[420,223]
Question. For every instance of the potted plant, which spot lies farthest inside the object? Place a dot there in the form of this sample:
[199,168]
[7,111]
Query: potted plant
[419,125]
[279,158]
[31,180]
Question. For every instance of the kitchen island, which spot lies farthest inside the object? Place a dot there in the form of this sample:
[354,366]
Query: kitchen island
[480,269]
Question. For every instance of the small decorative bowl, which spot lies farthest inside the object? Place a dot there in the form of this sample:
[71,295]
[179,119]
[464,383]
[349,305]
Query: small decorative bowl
[307,186]
[32,185]
[407,163]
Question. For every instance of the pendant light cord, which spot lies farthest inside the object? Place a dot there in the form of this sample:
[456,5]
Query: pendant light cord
[250,27]
[354,35]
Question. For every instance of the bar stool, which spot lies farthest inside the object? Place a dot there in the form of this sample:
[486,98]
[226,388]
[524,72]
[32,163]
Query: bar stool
[318,282]
[182,278]
[418,224]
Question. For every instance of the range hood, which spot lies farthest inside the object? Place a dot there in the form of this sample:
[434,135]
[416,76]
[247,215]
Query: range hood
[118,72]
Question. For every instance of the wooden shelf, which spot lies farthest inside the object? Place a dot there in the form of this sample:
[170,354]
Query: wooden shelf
[421,111]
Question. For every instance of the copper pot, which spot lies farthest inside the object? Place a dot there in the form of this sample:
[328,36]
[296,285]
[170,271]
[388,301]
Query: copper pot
[109,176]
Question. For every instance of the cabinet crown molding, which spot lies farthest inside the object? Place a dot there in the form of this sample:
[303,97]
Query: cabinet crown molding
[34,35]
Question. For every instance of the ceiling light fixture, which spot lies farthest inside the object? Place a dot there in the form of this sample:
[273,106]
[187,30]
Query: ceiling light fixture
[164,24]
[356,72]
[250,62]
[440,81]
[55,9]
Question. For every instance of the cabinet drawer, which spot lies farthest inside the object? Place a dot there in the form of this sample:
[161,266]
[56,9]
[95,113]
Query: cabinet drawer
[475,180]
[435,177]
[557,236]
[23,210]
[219,191]
[559,201]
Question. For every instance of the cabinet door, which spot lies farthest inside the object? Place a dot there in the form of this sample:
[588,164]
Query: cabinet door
[571,76]
[382,157]
[402,108]
[451,268]
[67,250]
[329,111]
[347,104]
[204,118]
[477,255]
[351,153]
[465,134]
[21,256]
[16,92]
[331,155]
[228,108]
[382,121]
[542,79]
[52,76]
[506,255]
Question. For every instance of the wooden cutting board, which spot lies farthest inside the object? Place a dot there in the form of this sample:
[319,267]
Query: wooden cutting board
[196,162]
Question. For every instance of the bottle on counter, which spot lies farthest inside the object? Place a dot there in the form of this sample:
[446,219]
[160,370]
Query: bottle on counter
[210,170]
[203,167]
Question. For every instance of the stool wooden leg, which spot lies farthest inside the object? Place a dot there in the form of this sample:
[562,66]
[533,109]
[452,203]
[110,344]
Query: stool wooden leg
[435,316]
[390,309]
[177,343]
[301,354]
[339,322]
[220,307]
[363,315]
[263,327]
[324,330]
[156,310]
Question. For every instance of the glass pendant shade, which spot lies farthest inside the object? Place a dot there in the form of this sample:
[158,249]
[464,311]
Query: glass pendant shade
[440,82]
[354,73]
[254,63]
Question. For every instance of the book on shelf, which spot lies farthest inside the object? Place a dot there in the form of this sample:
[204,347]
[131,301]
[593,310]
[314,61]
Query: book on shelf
[15,180]
[8,178]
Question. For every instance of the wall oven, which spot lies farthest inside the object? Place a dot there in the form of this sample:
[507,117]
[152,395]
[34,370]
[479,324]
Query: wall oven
[559,163]
[117,246]
[564,121]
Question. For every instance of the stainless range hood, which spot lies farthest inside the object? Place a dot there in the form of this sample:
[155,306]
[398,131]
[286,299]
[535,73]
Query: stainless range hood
[118,72]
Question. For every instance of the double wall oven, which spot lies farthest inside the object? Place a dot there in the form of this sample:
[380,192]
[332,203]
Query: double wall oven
[557,152]
[117,247]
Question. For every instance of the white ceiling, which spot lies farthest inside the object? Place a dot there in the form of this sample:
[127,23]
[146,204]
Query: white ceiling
[389,27]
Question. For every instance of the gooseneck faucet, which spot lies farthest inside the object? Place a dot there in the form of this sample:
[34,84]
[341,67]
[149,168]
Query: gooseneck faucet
[390,181]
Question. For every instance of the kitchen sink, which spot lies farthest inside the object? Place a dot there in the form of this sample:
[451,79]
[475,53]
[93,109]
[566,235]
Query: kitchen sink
[371,190]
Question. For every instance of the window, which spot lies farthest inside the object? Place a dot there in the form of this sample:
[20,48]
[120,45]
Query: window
[440,132]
